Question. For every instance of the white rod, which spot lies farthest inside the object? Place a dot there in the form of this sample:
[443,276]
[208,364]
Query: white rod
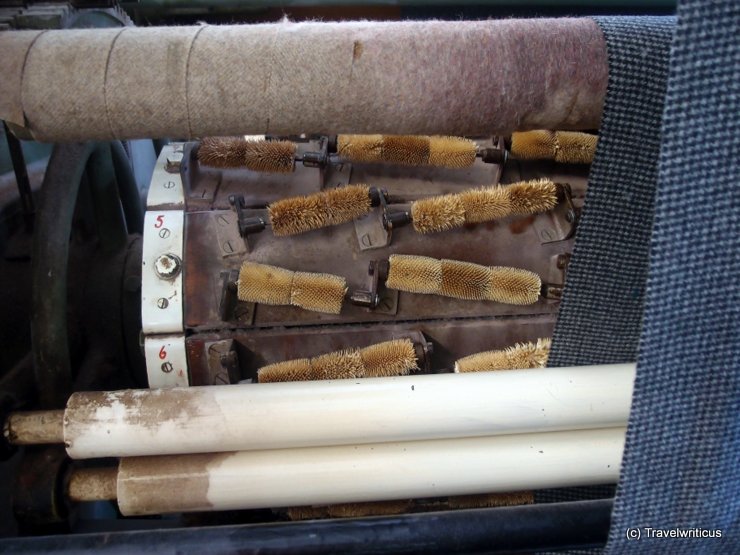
[348,474]
[345,412]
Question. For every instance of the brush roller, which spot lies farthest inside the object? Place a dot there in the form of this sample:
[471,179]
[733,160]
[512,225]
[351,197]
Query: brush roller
[262,283]
[462,280]
[565,147]
[520,356]
[390,358]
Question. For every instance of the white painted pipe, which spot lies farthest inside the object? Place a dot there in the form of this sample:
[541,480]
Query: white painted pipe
[348,474]
[246,417]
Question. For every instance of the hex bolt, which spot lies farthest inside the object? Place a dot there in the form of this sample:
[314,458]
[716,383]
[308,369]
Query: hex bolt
[168,266]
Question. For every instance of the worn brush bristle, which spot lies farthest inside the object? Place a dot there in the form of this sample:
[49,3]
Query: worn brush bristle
[333,207]
[520,356]
[235,152]
[360,148]
[348,203]
[415,274]
[437,213]
[297,370]
[486,204]
[450,211]
[575,148]
[451,152]
[532,197]
[539,144]
[462,280]
[390,358]
[295,215]
[408,150]
[318,292]
[567,147]
[513,286]
[262,283]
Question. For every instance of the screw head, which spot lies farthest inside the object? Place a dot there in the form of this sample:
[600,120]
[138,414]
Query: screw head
[168,266]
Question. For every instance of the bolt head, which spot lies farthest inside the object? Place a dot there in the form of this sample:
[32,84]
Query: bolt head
[168,266]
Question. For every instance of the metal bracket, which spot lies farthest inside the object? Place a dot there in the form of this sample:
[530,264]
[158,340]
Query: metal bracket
[223,362]
[553,289]
[373,230]
[377,298]
[231,308]
[560,223]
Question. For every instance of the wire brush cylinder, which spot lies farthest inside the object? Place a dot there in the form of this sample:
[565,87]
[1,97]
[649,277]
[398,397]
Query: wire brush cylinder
[520,356]
[462,280]
[482,205]
[408,150]
[262,283]
[236,152]
[390,358]
[295,215]
[567,147]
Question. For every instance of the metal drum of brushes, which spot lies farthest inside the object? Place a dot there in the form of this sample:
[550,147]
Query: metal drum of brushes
[200,230]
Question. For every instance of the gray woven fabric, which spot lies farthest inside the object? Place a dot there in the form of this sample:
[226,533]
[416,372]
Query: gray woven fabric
[601,311]
[680,467]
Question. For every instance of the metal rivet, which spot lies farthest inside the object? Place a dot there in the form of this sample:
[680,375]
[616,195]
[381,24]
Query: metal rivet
[163,303]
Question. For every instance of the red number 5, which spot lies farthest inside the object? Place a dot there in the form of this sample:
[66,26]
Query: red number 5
[160,221]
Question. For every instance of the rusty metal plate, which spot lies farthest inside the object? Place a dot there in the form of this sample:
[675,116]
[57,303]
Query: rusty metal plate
[450,340]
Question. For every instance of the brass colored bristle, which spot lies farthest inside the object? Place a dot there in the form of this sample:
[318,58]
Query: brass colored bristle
[567,147]
[360,148]
[390,358]
[262,283]
[437,213]
[462,280]
[318,292]
[449,211]
[335,206]
[533,145]
[451,152]
[415,274]
[520,356]
[575,148]
[486,204]
[532,197]
[288,371]
[236,152]
[408,150]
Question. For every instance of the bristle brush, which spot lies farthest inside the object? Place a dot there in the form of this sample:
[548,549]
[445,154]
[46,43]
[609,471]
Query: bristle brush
[265,284]
[568,147]
[519,356]
[480,205]
[462,280]
[390,358]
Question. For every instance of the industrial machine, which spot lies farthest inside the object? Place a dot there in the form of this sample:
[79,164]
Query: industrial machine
[314,331]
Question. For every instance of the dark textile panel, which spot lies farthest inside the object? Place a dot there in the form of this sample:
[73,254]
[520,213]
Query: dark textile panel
[680,466]
[601,311]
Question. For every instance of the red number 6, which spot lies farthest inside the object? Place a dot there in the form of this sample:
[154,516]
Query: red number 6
[162,353]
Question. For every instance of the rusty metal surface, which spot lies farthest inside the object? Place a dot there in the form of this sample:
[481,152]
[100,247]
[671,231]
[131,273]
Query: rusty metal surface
[451,339]
[509,242]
